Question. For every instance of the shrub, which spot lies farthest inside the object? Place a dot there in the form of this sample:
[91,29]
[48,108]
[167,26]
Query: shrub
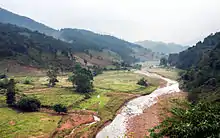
[29,104]
[4,83]
[59,108]
[10,95]
[27,81]
[200,120]
[143,82]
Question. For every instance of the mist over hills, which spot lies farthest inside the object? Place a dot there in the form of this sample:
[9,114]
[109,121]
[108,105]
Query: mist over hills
[162,47]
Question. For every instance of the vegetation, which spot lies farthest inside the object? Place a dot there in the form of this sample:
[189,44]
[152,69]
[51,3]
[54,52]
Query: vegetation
[199,120]
[59,108]
[15,124]
[167,72]
[82,78]
[143,82]
[192,56]
[202,80]
[28,104]
[52,74]
[163,62]
[10,95]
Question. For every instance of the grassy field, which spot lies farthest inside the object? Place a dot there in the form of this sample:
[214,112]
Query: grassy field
[111,90]
[15,124]
[168,73]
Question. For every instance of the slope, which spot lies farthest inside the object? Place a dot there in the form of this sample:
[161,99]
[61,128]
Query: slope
[33,48]
[81,40]
[192,55]
[161,47]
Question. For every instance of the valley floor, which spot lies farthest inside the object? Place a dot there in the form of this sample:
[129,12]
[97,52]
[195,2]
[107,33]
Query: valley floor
[112,90]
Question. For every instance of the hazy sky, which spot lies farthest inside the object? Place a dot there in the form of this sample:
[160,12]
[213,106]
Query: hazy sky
[179,21]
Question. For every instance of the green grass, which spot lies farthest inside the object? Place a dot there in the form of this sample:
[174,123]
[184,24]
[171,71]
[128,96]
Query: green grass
[2,101]
[168,73]
[26,124]
[52,96]
[124,81]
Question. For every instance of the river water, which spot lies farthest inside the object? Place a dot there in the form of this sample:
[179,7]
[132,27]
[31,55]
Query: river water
[117,128]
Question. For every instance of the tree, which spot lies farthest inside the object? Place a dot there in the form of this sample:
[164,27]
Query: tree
[10,95]
[29,104]
[143,82]
[52,74]
[163,61]
[82,78]
[59,108]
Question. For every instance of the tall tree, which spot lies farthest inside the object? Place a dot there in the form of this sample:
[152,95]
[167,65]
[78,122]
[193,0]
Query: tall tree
[10,95]
[52,74]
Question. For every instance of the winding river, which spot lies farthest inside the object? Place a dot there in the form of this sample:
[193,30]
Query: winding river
[117,128]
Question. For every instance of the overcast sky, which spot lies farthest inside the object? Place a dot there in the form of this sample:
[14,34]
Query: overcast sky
[179,21]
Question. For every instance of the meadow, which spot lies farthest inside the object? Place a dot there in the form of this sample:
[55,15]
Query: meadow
[111,90]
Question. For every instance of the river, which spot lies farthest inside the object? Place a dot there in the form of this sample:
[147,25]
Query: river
[117,128]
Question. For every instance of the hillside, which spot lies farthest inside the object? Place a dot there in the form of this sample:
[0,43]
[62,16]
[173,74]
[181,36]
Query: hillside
[193,55]
[9,17]
[161,47]
[83,40]
[33,48]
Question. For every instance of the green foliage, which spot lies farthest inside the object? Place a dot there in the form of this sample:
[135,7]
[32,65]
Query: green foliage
[204,78]
[163,62]
[59,108]
[143,82]
[52,74]
[10,95]
[200,120]
[137,66]
[27,80]
[32,48]
[28,104]
[4,83]
[192,56]
[83,79]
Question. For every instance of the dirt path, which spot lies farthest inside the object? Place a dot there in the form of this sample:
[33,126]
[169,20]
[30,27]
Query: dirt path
[118,127]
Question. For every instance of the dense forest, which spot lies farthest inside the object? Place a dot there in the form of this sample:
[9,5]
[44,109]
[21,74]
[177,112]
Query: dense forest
[33,48]
[193,55]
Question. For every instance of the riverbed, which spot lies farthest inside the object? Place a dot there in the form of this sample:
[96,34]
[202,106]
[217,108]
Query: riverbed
[117,128]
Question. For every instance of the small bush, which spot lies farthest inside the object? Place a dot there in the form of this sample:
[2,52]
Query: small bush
[59,108]
[143,82]
[27,81]
[4,83]
[29,104]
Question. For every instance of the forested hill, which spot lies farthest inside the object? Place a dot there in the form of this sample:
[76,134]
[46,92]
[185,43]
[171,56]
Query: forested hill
[162,47]
[9,17]
[193,55]
[83,40]
[33,48]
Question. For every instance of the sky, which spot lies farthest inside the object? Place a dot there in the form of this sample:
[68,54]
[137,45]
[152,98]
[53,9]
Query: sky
[179,21]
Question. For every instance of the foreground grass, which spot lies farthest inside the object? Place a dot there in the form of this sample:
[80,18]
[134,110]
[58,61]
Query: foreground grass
[168,73]
[52,96]
[111,90]
[15,124]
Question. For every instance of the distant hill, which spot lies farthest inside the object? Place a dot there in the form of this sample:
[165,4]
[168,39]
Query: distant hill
[161,47]
[193,55]
[82,40]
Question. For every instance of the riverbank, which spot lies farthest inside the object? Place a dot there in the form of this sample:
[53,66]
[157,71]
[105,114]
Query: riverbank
[118,127]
